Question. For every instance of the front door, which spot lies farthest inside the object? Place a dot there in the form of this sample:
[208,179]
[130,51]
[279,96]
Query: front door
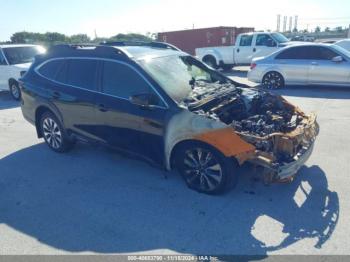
[123,124]
[324,71]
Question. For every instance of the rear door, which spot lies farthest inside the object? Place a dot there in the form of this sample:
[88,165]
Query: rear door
[73,92]
[293,62]
[323,70]
[123,124]
[244,50]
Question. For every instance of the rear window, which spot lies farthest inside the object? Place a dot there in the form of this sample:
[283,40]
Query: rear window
[246,40]
[51,69]
[82,73]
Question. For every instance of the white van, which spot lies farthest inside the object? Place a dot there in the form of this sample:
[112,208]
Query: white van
[13,60]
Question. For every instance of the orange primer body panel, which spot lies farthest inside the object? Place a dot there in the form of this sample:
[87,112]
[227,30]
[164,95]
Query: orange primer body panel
[226,141]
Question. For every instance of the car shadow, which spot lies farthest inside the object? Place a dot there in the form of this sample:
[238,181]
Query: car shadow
[95,200]
[6,101]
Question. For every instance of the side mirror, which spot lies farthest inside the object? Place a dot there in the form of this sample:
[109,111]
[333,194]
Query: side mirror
[337,59]
[22,73]
[144,100]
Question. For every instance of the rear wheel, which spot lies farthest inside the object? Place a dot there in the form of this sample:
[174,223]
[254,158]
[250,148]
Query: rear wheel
[54,134]
[210,61]
[15,91]
[273,80]
[205,169]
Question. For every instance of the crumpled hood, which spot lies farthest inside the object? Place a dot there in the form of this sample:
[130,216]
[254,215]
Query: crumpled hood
[247,110]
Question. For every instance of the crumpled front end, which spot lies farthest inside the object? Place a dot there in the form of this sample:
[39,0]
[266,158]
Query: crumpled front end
[282,136]
[289,151]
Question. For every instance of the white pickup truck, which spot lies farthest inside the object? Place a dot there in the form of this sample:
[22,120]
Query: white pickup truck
[247,47]
[13,60]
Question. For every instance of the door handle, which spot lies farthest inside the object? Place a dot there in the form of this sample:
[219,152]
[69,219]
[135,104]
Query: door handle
[254,49]
[102,108]
[237,50]
[314,63]
[56,95]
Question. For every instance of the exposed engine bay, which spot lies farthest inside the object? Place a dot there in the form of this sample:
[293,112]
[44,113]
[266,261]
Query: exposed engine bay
[260,118]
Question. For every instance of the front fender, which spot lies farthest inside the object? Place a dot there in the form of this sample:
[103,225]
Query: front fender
[189,126]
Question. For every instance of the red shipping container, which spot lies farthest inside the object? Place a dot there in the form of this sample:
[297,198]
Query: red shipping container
[189,40]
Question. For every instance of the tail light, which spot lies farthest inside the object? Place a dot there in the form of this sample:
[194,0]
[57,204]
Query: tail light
[252,66]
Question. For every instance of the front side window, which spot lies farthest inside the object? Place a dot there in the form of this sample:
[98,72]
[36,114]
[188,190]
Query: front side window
[327,54]
[246,40]
[265,40]
[122,81]
[22,55]
[81,73]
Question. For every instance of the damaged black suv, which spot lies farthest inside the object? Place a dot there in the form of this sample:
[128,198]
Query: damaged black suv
[160,103]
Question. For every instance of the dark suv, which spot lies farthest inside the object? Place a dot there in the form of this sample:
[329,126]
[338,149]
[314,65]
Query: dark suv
[166,106]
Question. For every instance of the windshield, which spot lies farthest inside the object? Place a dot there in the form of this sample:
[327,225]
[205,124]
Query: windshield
[279,38]
[22,55]
[178,74]
[341,50]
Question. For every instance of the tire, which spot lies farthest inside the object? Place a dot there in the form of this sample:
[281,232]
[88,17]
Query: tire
[14,90]
[273,80]
[210,61]
[205,169]
[54,134]
[227,67]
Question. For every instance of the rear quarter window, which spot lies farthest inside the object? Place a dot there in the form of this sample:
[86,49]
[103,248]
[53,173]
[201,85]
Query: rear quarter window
[51,69]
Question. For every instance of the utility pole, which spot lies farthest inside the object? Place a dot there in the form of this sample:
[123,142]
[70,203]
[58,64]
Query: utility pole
[284,23]
[349,32]
[290,23]
[296,23]
[278,23]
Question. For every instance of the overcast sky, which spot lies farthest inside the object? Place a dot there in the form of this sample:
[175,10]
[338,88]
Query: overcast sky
[109,17]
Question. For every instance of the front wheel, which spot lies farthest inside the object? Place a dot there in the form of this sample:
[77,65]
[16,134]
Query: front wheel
[54,134]
[273,80]
[15,91]
[205,169]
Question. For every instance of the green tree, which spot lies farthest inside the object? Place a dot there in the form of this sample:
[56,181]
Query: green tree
[317,29]
[79,38]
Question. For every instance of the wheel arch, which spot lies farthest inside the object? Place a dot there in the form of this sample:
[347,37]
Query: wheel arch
[11,81]
[38,114]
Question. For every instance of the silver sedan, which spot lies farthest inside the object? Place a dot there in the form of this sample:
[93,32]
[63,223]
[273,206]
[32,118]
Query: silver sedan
[306,64]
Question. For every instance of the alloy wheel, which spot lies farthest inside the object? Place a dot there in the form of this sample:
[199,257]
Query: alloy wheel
[52,133]
[202,171]
[273,80]
[15,91]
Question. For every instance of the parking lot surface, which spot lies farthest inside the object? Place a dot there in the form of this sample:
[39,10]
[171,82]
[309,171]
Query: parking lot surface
[94,200]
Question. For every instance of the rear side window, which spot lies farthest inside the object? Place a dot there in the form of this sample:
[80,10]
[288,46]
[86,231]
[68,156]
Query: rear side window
[246,40]
[2,59]
[50,69]
[122,81]
[81,73]
[293,53]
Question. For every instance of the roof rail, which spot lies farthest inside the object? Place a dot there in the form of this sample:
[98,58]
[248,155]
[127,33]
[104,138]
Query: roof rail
[98,49]
[141,43]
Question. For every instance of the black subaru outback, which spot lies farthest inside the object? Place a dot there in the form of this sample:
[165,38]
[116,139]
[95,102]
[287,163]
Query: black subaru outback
[160,103]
